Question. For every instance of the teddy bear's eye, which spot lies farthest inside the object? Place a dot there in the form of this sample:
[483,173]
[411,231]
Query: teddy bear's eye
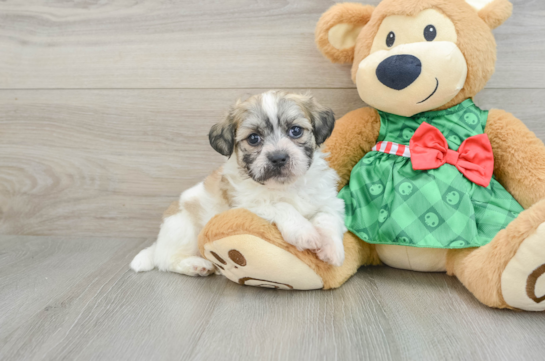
[430,33]
[390,39]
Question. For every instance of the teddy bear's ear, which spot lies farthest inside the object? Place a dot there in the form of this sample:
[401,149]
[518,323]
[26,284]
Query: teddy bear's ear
[493,12]
[338,29]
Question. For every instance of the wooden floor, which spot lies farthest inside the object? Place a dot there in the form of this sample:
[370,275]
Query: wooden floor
[105,108]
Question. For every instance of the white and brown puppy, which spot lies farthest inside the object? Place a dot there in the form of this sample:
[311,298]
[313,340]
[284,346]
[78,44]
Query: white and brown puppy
[275,169]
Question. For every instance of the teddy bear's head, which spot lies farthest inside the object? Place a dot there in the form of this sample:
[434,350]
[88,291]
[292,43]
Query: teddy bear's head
[411,56]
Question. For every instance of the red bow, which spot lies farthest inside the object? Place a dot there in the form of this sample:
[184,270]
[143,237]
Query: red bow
[474,158]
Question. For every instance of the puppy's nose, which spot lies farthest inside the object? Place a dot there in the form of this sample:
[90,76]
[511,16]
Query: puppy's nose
[399,71]
[278,159]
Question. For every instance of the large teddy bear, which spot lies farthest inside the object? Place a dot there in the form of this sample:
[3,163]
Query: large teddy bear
[431,182]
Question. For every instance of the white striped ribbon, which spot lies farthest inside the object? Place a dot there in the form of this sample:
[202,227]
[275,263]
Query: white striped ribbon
[393,148]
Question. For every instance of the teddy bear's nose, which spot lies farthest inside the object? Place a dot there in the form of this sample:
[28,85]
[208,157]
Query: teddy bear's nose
[399,71]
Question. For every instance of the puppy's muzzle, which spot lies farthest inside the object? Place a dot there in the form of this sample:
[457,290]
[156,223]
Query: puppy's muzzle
[278,159]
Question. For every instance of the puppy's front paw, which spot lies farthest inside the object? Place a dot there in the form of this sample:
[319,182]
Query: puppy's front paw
[303,236]
[331,230]
[332,252]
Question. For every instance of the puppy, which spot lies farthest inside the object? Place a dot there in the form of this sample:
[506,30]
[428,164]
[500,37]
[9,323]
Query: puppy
[275,169]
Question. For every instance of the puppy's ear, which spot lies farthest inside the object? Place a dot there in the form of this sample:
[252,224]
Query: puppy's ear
[322,119]
[222,136]
[324,123]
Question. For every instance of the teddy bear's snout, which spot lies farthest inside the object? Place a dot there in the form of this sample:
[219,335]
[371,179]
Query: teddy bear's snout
[399,71]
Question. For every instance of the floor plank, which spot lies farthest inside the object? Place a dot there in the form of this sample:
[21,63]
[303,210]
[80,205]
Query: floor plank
[108,162]
[66,299]
[206,44]
[434,317]
[33,271]
[75,298]
[346,324]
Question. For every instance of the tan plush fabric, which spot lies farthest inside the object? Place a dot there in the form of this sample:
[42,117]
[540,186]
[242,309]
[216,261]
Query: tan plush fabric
[523,279]
[242,222]
[354,135]
[343,36]
[252,261]
[520,169]
[413,258]
[347,13]
[480,269]
[496,13]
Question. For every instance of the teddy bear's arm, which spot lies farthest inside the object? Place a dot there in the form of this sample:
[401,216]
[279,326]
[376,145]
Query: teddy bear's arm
[354,135]
[519,157]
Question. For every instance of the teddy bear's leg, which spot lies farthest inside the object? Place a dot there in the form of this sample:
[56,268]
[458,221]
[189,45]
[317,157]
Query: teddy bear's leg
[250,251]
[509,272]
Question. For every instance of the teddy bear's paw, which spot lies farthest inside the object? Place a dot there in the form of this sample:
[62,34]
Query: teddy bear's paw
[251,261]
[193,266]
[523,280]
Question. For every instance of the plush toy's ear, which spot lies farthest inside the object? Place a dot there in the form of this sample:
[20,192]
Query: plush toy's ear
[493,12]
[338,29]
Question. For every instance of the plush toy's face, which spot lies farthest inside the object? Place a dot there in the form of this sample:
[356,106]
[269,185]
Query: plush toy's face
[414,64]
[412,56]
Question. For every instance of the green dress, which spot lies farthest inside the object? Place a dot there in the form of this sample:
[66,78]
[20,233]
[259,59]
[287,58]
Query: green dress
[387,202]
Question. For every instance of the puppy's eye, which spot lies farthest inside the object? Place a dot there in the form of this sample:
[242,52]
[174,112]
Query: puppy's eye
[390,39]
[295,132]
[430,33]
[254,139]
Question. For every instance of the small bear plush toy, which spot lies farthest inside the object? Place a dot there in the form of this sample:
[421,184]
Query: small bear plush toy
[431,182]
